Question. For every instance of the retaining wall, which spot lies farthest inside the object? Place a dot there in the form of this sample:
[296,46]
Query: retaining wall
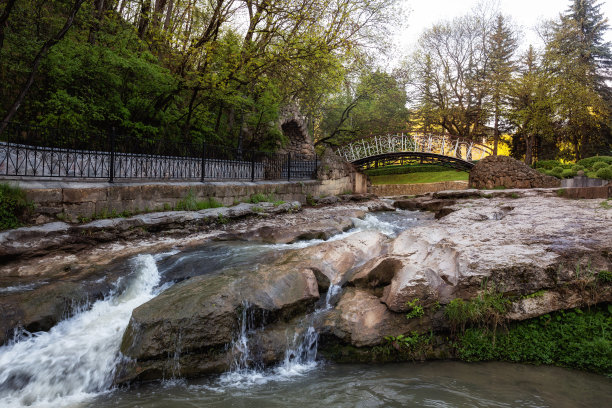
[391,190]
[75,199]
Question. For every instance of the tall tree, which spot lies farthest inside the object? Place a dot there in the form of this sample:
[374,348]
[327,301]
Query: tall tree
[580,61]
[502,46]
[531,107]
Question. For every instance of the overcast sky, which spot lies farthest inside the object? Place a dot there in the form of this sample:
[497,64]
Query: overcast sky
[524,13]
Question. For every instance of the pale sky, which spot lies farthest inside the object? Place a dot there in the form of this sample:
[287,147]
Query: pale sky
[524,13]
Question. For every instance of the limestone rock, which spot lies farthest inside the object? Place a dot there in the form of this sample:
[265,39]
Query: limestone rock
[360,319]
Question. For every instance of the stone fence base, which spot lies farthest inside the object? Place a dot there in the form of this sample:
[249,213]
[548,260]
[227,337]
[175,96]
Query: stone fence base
[85,199]
[391,190]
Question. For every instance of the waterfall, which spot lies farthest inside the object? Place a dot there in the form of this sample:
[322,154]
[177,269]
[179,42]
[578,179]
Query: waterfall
[300,354]
[77,358]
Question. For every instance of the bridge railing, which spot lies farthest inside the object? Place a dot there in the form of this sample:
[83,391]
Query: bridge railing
[29,151]
[441,144]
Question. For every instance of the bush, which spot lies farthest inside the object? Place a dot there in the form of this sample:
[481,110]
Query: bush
[605,173]
[190,203]
[14,206]
[547,164]
[590,161]
[557,171]
[599,165]
[577,167]
[568,173]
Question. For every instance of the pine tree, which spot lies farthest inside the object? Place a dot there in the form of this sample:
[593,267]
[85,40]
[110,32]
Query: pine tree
[580,61]
[502,46]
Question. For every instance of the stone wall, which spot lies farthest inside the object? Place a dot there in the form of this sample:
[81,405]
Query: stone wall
[293,126]
[504,171]
[86,199]
[394,190]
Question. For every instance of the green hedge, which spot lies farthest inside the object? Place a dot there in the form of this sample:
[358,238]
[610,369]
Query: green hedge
[418,168]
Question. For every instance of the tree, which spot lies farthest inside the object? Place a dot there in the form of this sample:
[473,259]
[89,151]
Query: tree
[531,107]
[375,105]
[453,60]
[502,46]
[580,61]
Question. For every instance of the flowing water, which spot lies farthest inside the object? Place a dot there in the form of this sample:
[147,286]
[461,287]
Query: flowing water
[73,364]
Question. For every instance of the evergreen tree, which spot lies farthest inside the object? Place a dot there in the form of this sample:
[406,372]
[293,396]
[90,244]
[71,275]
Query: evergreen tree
[580,60]
[502,46]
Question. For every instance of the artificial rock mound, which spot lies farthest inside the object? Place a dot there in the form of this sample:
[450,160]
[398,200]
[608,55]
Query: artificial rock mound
[504,171]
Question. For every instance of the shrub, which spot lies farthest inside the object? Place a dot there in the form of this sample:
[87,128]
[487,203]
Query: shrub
[599,165]
[547,164]
[568,173]
[416,310]
[577,167]
[605,173]
[557,171]
[14,206]
[416,168]
[590,161]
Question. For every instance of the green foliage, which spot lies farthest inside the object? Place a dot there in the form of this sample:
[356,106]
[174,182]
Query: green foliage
[568,173]
[222,219]
[605,205]
[488,308]
[605,173]
[14,206]
[591,161]
[604,276]
[310,200]
[576,338]
[416,309]
[551,164]
[260,198]
[190,203]
[599,165]
[556,171]
[411,342]
[561,192]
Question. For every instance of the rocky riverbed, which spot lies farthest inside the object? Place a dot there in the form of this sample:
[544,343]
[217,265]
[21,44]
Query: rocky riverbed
[540,252]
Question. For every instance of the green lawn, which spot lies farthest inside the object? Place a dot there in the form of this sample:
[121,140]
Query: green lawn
[415,178]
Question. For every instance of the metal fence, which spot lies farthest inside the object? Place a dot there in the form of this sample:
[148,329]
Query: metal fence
[42,152]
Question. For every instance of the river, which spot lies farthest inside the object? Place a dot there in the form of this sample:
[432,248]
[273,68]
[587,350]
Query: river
[73,365]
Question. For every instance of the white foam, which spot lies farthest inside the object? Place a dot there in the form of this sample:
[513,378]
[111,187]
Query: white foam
[77,358]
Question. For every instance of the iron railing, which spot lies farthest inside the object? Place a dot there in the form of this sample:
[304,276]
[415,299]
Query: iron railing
[28,151]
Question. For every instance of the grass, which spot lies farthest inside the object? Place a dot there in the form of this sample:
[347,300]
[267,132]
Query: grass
[190,203]
[423,177]
[14,206]
[579,338]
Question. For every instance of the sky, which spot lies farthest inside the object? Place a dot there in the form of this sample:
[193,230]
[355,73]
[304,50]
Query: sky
[524,13]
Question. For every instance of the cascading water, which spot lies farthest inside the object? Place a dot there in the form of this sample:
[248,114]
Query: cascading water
[78,357]
[300,355]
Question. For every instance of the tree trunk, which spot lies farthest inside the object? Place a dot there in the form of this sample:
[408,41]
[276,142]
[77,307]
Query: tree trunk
[528,150]
[98,12]
[496,130]
[168,14]
[143,21]
[41,54]
[4,19]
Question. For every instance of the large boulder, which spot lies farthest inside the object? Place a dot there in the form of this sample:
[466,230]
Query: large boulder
[360,319]
[504,171]
[200,316]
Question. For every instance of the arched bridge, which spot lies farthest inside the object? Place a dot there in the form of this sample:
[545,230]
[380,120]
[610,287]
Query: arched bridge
[393,149]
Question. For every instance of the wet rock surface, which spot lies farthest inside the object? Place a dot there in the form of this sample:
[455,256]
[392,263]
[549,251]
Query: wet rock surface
[47,271]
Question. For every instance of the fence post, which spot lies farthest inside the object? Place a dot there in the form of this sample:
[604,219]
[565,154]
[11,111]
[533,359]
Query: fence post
[252,165]
[203,162]
[289,166]
[111,171]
